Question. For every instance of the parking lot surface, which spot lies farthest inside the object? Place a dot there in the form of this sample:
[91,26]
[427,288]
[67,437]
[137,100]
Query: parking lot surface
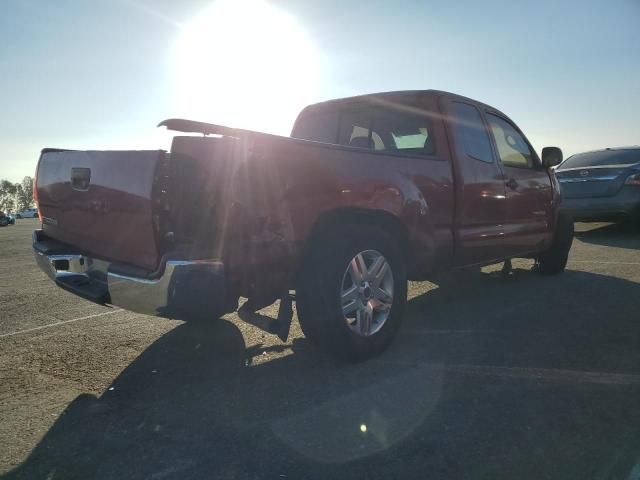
[490,377]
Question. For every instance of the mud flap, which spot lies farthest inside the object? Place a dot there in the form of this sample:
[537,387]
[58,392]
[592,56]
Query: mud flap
[282,325]
[197,293]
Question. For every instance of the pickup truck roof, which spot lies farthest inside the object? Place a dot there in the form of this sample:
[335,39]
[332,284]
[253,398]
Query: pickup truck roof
[397,94]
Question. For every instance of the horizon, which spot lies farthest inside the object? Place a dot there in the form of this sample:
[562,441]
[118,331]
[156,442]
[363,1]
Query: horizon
[90,76]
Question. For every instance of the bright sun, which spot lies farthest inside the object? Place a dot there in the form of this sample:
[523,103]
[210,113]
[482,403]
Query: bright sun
[244,64]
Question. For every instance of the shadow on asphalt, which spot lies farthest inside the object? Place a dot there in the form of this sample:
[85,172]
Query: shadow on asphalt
[622,235]
[489,378]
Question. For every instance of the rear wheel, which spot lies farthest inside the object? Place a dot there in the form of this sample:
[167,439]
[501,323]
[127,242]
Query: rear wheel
[630,223]
[352,290]
[554,260]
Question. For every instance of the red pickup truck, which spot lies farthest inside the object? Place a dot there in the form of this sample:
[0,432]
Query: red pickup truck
[368,192]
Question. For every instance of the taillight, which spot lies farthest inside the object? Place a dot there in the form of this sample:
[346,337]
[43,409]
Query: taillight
[633,179]
[35,191]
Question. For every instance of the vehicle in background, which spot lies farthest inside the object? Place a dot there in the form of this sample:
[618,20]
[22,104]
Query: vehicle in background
[12,218]
[603,185]
[27,213]
[5,219]
[371,191]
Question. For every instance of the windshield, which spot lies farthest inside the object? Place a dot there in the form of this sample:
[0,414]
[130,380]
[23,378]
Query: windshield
[602,158]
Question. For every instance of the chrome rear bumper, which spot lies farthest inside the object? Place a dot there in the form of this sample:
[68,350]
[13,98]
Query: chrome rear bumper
[179,289]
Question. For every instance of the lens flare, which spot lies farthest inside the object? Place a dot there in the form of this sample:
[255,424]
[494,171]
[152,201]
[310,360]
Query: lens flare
[245,64]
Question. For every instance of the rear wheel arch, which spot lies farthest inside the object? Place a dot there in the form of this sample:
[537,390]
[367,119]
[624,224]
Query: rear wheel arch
[335,219]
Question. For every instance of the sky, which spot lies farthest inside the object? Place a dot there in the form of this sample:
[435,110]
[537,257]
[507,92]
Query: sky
[100,75]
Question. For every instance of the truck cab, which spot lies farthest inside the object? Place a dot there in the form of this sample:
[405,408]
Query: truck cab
[506,199]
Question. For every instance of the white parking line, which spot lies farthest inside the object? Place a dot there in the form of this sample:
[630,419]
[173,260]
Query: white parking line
[60,323]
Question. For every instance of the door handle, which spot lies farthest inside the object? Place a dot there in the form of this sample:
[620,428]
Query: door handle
[512,184]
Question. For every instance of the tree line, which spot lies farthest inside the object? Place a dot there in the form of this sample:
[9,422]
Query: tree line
[16,196]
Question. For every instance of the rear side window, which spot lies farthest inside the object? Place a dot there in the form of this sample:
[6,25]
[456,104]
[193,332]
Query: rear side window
[604,158]
[317,126]
[512,147]
[401,131]
[354,129]
[470,132]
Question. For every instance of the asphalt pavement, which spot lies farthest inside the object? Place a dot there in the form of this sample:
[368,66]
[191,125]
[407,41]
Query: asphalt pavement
[525,377]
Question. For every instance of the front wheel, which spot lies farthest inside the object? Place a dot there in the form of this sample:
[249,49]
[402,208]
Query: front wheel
[554,260]
[352,291]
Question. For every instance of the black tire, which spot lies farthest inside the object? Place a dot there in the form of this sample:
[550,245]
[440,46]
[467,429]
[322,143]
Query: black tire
[630,223]
[554,260]
[318,293]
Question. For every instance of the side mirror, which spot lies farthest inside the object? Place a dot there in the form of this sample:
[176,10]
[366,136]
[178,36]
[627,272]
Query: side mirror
[551,157]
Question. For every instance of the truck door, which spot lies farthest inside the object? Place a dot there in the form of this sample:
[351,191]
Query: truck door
[480,187]
[529,213]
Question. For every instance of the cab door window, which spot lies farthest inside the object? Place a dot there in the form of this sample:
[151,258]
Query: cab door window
[513,149]
[470,132]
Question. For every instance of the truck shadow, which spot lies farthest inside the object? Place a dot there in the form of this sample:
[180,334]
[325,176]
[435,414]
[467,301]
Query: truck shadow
[489,378]
[621,235]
